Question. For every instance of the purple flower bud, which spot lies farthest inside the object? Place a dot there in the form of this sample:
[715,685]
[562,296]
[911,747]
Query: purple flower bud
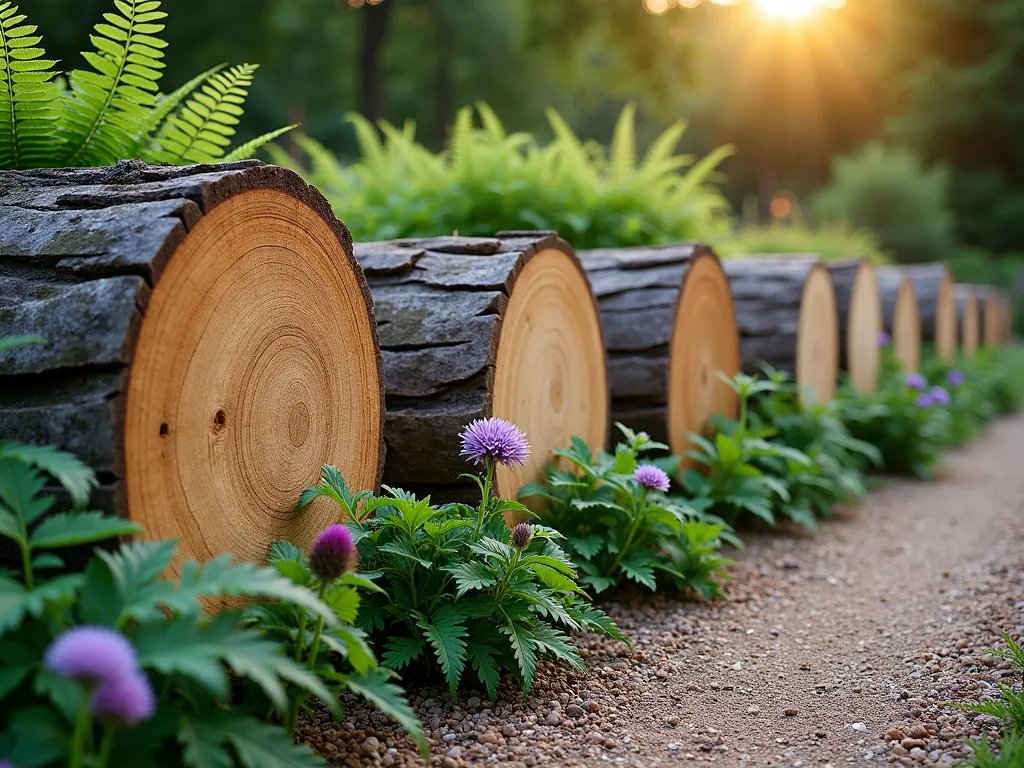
[333,553]
[91,655]
[939,396]
[924,400]
[652,478]
[916,381]
[955,378]
[497,439]
[884,339]
[123,702]
[521,536]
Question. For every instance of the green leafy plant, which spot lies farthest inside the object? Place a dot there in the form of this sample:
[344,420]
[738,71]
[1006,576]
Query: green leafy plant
[620,524]
[1010,755]
[488,180]
[1009,710]
[835,474]
[114,109]
[341,655]
[461,586]
[733,481]
[829,241]
[901,419]
[889,191]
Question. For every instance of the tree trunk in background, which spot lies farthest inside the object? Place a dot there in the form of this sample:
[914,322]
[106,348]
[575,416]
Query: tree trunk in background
[444,43]
[375,29]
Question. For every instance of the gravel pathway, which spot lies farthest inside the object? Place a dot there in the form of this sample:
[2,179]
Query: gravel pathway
[833,649]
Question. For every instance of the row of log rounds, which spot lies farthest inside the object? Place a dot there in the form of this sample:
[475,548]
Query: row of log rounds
[215,337]
[210,343]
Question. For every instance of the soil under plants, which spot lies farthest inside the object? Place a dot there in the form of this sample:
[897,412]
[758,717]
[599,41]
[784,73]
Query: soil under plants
[843,647]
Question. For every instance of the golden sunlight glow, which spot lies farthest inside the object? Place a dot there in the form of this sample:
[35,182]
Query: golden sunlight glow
[790,9]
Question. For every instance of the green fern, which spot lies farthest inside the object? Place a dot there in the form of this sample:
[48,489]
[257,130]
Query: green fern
[202,128]
[106,103]
[113,110]
[28,94]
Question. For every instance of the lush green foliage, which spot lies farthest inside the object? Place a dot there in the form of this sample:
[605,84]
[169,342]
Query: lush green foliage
[889,192]
[185,653]
[1010,712]
[910,438]
[781,458]
[341,655]
[830,241]
[458,589]
[114,109]
[1010,755]
[489,180]
[617,530]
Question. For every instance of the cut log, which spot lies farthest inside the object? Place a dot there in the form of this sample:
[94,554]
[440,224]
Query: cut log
[988,314]
[669,327]
[210,345]
[966,318]
[933,287]
[860,321]
[786,312]
[900,316]
[476,327]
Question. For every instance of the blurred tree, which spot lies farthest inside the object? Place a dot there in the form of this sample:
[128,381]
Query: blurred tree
[958,69]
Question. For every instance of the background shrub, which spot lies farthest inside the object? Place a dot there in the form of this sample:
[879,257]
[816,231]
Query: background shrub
[488,180]
[889,191]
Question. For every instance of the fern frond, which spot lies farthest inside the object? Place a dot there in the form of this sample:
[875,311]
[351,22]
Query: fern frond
[367,138]
[105,105]
[167,104]
[201,130]
[622,158]
[251,147]
[27,94]
[490,122]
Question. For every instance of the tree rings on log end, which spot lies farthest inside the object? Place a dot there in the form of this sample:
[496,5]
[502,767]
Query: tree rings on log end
[256,363]
[862,354]
[705,341]
[967,319]
[550,376]
[945,319]
[817,352]
[906,328]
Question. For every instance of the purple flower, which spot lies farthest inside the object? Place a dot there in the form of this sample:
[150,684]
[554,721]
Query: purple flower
[924,400]
[652,478]
[955,378]
[916,381]
[496,439]
[884,339]
[333,553]
[939,396]
[91,655]
[123,702]
[521,536]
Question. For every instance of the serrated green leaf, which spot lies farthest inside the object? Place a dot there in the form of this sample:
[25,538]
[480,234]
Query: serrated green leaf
[344,601]
[586,546]
[471,575]
[401,651]
[445,632]
[484,660]
[522,641]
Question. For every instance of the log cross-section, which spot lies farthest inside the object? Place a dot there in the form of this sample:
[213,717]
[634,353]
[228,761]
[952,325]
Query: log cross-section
[933,287]
[210,344]
[901,316]
[500,326]
[670,327]
[860,321]
[786,311]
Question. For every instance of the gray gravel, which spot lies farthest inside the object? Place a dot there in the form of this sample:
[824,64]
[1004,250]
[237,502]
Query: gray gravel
[839,648]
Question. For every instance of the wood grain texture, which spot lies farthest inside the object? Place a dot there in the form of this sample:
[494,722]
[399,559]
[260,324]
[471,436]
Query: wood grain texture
[669,326]
[192,316]
[933,287]
[787,316]
[859,304]
[476,327]
[900,316]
